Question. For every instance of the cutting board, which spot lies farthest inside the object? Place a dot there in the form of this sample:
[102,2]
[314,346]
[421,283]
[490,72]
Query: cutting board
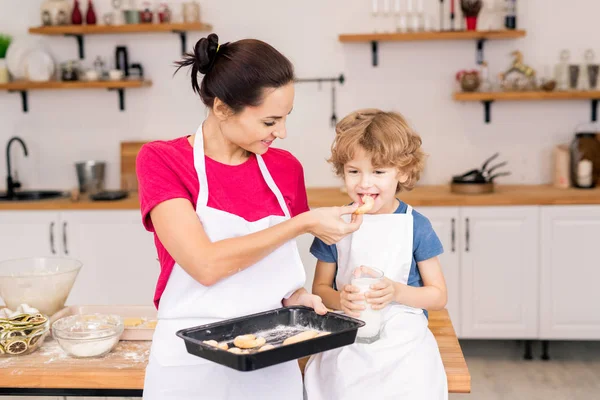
[129,152]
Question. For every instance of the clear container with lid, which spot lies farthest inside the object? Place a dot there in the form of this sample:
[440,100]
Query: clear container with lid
[585,160]
[88,335]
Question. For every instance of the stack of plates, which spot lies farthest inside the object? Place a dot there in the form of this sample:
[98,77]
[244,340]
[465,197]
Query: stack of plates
[27,59]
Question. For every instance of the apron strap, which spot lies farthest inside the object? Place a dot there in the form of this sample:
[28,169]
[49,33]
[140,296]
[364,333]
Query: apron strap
[200,165]
[409,209]
[271,183]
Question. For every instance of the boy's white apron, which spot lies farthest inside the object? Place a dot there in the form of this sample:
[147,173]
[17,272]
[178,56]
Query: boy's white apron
[405,362]
[172,373]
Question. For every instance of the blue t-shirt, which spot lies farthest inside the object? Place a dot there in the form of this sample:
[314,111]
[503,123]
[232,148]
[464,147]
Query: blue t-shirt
[426,245]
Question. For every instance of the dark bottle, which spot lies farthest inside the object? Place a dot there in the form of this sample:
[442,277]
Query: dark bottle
[585,160]
[510,20]
[90,17]
[76,17]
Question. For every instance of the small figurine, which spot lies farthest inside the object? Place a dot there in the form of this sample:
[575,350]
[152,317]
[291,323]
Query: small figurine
[519,76]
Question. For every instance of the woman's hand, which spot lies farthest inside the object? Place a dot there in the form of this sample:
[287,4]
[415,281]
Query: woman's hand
[348,296]
[382,294]
[327,224]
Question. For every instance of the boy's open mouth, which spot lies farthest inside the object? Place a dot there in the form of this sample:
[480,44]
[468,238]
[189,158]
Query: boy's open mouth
[361,196]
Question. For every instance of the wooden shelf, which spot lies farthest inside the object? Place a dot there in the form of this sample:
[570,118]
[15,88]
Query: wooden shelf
[28,85]
[117,29]
[24,86]
[431,36]
[479,36]
[79,31]
[488,97]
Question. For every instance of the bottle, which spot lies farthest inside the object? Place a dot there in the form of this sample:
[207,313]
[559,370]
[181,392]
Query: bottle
[76,17]
[510,20]
[585,160]
[90,17]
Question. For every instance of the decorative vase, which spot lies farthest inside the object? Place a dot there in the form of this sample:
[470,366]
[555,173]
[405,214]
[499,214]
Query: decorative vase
[76,17]
[90,17]
[55,12]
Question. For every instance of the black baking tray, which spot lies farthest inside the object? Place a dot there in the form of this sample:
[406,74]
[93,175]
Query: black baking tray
[294,319]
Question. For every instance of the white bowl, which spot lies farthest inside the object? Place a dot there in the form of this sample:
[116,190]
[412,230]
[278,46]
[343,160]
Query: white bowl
[41,282]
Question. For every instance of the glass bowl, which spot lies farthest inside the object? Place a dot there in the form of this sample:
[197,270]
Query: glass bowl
[41,282]
[88,335]
[22,334]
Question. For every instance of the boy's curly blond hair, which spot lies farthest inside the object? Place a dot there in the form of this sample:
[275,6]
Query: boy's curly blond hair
[385,137]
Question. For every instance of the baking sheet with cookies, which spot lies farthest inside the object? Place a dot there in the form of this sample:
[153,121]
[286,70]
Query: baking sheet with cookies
[139,321]
[272,337]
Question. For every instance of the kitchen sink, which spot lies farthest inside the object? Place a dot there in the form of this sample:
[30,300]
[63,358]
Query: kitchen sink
[29,195]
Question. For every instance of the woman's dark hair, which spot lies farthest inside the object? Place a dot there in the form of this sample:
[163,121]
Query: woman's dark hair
[236,72]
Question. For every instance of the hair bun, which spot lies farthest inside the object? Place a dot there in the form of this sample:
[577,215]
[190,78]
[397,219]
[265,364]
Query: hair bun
[205,53]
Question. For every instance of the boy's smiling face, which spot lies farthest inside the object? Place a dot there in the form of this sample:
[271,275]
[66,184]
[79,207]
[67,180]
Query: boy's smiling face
[362,179]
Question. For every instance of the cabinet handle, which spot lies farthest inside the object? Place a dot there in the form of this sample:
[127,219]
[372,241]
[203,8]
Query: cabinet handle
[467,234]
[453,235]
[65,238]
[52,249]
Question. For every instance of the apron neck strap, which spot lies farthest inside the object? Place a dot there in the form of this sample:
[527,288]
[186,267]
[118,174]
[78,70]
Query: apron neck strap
[200,165]
[409,209]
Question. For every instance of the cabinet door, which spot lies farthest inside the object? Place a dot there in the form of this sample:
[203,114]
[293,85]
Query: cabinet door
[28,234]
[119,259]
[499,272]
[445,223]
[570,272]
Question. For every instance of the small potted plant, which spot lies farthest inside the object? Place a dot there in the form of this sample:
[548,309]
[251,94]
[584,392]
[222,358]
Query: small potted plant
[4,43]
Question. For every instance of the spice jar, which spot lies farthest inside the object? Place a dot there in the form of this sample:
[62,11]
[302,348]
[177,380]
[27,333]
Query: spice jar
[585,160]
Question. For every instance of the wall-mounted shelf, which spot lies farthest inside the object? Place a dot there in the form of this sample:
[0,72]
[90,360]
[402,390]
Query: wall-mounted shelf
[24,87]
[479,36]
[487,98]
[79,31]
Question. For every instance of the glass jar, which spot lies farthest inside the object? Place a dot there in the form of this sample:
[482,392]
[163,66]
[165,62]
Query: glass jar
[585,160]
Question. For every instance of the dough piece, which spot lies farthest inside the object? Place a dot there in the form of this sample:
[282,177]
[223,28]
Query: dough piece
[236,350]
[132,322]
[368,203]
[266,347]
[306,335]
[249,341]
[323,334]
[214,343]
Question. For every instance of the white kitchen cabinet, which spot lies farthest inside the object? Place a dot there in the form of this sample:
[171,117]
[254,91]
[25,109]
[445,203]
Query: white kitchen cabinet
[570,272]
[28,233]
[499,272]
[445,224]
[119,258]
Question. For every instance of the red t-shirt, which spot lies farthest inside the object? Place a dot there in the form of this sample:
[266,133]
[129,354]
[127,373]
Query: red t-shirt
[165,170]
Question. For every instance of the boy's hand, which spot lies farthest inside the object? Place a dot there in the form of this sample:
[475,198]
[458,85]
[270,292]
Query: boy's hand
[348,296]
[313,301]
[382,294]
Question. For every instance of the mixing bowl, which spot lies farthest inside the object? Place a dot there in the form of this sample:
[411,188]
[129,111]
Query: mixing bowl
[41,282]
[88,335]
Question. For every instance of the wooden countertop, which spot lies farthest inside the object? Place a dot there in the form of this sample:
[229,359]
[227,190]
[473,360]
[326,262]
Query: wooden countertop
[434,195]
[124,368]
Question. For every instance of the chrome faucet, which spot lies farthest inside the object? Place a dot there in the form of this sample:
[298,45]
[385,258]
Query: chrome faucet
[11,184]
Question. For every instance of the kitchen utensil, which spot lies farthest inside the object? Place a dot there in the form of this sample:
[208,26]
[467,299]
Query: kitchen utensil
[138,321]
[488,173]
[491,178]
[40,282]
[90,175]
[270,324]
[109,195]
[122,59]
[90,335]
[471,188]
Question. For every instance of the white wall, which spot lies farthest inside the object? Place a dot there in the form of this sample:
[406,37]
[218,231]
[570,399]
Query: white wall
[413,78]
